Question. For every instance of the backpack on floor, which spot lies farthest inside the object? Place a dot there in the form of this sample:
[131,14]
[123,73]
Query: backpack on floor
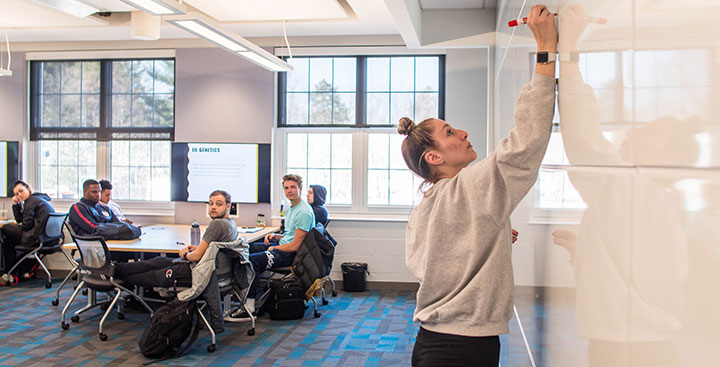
[170,326]
[286,300]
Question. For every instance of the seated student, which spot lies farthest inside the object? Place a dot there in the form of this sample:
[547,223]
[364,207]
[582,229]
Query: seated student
[316,199]
[164,272]
[31,210]
[89,217]
[106,198]
[299,220]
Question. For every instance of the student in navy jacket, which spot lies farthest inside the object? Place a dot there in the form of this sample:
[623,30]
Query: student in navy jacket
[90,217]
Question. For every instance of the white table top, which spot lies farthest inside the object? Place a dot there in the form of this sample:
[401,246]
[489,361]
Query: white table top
[168,238]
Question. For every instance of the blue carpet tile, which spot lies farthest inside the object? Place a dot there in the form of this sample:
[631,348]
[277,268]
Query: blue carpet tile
[356,329]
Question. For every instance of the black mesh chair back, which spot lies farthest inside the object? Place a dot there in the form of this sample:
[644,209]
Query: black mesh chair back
[94,254]
[53,233]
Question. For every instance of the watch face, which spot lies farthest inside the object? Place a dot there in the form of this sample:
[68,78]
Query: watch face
[542,57]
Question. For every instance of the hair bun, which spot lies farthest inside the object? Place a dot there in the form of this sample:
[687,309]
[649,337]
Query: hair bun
[406,126]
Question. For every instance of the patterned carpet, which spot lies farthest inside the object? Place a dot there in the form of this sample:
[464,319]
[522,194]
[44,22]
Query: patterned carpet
[356,329]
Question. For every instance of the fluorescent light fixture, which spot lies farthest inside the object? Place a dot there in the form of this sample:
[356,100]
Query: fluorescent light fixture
[158,7]
[267,61]
[203,30]
[73,7]
[209,29]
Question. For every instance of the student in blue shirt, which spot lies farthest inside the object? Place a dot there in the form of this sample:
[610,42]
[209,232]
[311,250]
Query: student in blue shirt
[279,249]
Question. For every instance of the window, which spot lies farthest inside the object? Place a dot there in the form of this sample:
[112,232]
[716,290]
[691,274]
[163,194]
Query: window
[402,86]
[323,159]
[64,166]
[389,182]
[321,91]
[140,170]
[103,118]
[102,100]
[333,93]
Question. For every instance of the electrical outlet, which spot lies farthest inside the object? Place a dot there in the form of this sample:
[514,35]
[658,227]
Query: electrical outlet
[5,72]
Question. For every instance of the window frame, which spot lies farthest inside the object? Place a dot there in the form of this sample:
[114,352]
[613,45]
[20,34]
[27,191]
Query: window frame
[359,206]
[360,90]
[105,131]
[130,207]
[359,209]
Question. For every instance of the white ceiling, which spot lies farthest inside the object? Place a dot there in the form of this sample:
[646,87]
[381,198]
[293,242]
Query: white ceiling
[458,4]
[30,21]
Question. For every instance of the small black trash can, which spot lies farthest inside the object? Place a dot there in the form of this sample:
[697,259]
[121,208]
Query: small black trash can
[354,276]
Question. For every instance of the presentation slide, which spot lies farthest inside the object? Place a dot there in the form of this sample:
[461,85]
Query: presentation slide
[8,167]
[242,170]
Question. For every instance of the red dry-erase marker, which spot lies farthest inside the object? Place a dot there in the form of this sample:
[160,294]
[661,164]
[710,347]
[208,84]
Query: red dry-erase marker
[517,22]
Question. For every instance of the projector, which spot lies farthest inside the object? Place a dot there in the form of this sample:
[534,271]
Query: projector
[5,72]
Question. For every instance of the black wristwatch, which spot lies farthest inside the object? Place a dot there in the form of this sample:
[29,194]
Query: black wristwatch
[545,57]
[185,256]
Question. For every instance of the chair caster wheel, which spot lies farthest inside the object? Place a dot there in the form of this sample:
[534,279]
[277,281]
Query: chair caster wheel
[251,332]
[55,302]
[75,318]
[316,314]
[84,292]
[65,326]
[334,294]
[121,316]
[48,285]
[103,336]
[325,302]
[211,348]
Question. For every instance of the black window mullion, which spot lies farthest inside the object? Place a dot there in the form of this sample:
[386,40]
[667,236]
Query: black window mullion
[282,100]
[332,91]
[361,90]
[105,100]
[441,87]
[36,70]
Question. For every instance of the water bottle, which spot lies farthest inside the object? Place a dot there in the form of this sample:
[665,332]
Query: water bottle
[195,233]
[261,220]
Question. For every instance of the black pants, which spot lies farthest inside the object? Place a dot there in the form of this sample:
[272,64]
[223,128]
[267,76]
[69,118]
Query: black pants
[437,349]
[12,236]
[157,272]
[262,260]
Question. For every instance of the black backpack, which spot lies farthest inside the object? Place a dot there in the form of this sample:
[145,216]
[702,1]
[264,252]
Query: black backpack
[169,327]
[286,300]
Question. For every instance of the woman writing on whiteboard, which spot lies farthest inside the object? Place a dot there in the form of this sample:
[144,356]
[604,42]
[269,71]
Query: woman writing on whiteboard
[458,239]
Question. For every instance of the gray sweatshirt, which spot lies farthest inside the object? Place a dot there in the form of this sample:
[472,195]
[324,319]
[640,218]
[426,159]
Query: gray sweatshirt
[458,239]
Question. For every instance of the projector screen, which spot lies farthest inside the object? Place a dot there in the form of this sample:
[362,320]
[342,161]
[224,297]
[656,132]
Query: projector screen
[8,167]
[243,170]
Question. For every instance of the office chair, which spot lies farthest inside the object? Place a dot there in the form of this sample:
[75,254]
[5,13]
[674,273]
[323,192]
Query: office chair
[97,274]
[50,241]
[234,277]
[73,262]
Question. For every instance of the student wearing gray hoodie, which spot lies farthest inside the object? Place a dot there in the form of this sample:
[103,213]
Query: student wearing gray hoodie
[458,239]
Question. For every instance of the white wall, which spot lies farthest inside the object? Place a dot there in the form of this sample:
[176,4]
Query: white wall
[222,98]
[13,104]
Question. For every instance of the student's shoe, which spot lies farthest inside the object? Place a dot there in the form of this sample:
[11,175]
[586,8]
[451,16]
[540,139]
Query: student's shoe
[7,279]
[237,315]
